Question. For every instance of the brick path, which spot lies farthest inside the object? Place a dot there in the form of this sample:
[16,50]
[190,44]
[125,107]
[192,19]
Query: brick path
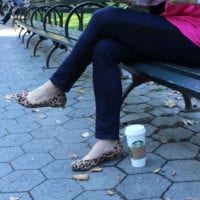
[35,144]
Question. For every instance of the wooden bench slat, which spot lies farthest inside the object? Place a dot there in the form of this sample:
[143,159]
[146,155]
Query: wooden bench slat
[188,83]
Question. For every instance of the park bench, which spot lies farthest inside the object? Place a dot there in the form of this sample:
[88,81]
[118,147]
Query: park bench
[54,22]
[184,79]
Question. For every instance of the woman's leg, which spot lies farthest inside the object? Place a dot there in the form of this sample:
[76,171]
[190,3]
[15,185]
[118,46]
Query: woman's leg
[108,93]
[152,36]
[107,85]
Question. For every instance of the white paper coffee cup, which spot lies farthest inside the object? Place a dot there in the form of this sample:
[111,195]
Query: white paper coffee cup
[135,135]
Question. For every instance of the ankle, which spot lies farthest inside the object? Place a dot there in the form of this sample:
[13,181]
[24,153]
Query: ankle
[51,88]
[108,142]
[100,147]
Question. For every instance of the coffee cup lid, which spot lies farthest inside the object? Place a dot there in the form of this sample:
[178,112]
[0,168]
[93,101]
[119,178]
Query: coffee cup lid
[135,129]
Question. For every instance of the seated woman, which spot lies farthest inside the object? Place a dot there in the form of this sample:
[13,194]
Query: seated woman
[113,36]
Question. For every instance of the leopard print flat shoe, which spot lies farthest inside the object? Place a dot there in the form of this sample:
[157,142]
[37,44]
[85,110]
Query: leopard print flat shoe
[82,165]
[56,101]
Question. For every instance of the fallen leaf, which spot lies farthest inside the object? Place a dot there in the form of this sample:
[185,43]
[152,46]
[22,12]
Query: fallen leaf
[72,155]
[188,122]
[36,110]
[111,192]
[157,171]
[173,173]
[96,169]
[80,177]
[85,135]
[80,91]
[170,104]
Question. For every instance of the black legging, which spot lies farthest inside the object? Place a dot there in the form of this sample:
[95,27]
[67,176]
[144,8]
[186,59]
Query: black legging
[115,35]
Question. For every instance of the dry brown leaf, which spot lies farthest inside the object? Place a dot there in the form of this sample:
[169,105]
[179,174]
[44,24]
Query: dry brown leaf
[188,122]
[85,135]
[157,171]
[173,173]
[80,177]
[80,91]
[111,192]
[72,155]
[170,104]
[96,169]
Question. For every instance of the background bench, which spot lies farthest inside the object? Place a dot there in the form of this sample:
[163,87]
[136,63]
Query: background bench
[54,22]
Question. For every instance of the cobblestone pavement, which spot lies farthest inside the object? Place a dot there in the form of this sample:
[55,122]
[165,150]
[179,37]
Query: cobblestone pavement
[37,145]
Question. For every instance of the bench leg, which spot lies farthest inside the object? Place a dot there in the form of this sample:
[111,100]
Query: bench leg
[20,32]
[188,104]
[37,44]
[23,37]
[29,39]
[136,80]
[51,52]
[57,45]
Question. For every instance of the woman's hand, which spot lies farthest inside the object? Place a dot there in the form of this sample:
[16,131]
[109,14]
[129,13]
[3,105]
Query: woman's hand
[182,1]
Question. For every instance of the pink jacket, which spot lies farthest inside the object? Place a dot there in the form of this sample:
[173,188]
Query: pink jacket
[186,18]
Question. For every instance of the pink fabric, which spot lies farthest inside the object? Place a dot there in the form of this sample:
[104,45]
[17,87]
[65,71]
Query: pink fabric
[186,18]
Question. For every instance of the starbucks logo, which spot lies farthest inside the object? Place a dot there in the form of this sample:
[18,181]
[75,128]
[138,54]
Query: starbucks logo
[138,143]
[137,149]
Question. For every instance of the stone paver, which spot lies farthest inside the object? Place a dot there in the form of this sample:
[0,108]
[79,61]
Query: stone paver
[20,181]
[8,196]
[143,186]
[181,150]
[32,161]
[185,190]
[99,195]
[37,146]
[56,189]
[182,170]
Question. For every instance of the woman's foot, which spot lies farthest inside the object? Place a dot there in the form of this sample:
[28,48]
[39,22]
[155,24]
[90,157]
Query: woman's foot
[103,150]
[43,96]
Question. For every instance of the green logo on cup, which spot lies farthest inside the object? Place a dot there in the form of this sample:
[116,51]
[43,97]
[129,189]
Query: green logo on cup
[138,143]
[137,149]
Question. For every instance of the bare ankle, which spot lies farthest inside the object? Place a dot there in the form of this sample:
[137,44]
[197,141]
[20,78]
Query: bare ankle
[51,87]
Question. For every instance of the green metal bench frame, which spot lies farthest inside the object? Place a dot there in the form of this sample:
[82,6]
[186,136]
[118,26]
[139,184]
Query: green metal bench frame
[181,78]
